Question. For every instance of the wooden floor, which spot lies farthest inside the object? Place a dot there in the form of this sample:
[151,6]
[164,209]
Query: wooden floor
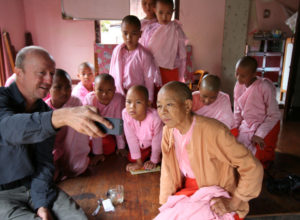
[141,191]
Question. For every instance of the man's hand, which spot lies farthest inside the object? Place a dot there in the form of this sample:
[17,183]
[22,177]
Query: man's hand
[259,141]
[149,165]
[44,213]
[80,119]
[222,205]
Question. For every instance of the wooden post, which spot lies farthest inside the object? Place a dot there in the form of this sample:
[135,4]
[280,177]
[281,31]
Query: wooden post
[97,41]
[9,50]
[293,71]
[2,67]
[177,7]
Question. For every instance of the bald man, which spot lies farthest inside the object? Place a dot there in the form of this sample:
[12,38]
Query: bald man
[27,133]
[209,101]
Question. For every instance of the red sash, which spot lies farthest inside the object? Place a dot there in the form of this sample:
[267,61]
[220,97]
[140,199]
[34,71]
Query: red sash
[168,75]
[268,153]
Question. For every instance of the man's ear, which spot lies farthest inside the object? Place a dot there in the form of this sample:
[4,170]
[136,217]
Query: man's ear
[188,105]
[18,71]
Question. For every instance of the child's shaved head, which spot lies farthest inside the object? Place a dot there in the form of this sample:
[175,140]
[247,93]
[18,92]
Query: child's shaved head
[181,90]
[141,90]
[132,20]
[62,74]
[247,62]
[85,65]
[211,82]
[105,77]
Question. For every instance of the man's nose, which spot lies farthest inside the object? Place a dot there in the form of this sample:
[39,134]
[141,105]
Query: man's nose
[48,78]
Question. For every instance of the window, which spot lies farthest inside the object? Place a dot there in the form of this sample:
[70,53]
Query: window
[110,30]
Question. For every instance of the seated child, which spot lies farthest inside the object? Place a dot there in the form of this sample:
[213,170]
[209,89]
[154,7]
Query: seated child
[201,152]
[256,111]
[86,76]
[209,101]
[143,129]
[166,41]
[109,104]
[131,64]
[148,8]
[71,148]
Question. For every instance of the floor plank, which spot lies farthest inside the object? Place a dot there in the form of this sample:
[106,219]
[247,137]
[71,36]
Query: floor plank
[140,191]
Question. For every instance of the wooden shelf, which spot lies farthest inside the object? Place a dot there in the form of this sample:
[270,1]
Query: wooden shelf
[265,56]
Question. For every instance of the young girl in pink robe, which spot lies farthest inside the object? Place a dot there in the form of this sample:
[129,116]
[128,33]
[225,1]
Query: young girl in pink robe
[148,8]
[131,64]
[143,130]
[86,76]
[166,41]
[200,158]
[256,111]
[71,149]
[209,101]
[109,104]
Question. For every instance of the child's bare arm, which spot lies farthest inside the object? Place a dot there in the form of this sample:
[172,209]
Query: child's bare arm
[259,141]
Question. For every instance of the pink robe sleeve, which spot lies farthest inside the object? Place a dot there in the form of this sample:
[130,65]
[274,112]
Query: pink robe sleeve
[226,115]
[156,141]
[151,74]
[272,111]
[181,56]
[132,139]
[237,113]
[116,70]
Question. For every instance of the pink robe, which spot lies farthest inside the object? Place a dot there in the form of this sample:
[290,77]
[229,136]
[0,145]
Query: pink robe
[256,110]
[167,43]
[135,67]
[220,109]
[80,91]
[195,207]
[145,22]
[10,80]
[112,110]
[141,135]
[71,148]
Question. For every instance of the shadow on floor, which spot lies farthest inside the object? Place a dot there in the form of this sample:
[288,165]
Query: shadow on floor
[280,205]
